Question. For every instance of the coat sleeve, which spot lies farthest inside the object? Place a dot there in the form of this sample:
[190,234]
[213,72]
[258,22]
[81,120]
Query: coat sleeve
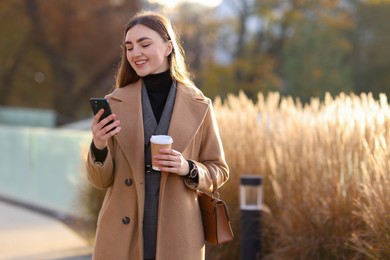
[211,156]
[101,174]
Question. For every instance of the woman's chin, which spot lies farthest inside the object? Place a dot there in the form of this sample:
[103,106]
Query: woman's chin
[142,73]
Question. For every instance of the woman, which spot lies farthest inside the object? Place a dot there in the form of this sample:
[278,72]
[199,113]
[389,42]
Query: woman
[148,214]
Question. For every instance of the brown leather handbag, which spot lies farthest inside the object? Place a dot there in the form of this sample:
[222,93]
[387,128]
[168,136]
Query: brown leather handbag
[215,216]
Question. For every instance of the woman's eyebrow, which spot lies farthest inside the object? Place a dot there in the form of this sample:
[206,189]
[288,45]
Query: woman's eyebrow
[139,40]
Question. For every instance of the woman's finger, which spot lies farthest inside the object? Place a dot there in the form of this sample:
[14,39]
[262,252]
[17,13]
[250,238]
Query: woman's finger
[170,160]
[96,118]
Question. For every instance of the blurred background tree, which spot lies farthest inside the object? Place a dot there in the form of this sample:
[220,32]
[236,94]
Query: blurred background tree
[302,48]
[371,57]
[316,56]
[251,66]
[57,54]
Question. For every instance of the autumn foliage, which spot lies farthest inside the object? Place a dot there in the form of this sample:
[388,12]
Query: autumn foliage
[57,54]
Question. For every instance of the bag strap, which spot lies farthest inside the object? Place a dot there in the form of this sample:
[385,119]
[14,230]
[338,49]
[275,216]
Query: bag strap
[215,193]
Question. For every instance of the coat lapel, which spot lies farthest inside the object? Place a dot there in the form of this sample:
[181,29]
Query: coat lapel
[187,116]
[150,123]
[126,104]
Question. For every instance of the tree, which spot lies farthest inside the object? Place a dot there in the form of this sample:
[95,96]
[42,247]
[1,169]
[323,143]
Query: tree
[197,29]
[316,60]
[371,52]
[300,48]
[66,53]
[252,69]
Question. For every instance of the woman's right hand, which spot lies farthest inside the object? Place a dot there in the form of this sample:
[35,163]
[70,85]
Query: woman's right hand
[102,133]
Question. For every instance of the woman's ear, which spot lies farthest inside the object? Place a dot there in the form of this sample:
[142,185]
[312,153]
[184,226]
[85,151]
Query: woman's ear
[169,48]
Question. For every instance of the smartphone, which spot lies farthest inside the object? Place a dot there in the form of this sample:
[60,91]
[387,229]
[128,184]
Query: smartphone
[99,103]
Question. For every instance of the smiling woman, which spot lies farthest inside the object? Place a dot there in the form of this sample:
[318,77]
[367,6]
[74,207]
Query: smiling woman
[146,211]
[172,3]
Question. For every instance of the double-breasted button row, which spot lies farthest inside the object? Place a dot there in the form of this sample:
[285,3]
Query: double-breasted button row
[129,182]
[126,220]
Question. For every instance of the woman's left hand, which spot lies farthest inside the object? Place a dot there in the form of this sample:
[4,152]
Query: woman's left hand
[170,160]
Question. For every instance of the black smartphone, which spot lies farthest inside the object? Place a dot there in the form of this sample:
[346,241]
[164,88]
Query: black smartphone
[99,103]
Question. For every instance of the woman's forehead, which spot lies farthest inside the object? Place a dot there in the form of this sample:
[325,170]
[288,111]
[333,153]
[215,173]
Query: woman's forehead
[140,32]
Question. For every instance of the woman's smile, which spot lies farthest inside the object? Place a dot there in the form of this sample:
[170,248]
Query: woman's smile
[140,63]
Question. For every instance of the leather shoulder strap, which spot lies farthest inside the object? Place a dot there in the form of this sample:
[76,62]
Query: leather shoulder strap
[215,193]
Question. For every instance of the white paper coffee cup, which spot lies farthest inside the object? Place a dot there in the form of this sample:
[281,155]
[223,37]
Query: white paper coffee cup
[158,142]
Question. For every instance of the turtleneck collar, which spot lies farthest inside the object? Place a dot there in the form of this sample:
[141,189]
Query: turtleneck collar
[160,82]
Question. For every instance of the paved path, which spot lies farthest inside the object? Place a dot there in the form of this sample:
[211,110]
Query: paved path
[25,234]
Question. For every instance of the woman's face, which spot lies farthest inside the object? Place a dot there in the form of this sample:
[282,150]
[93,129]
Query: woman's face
[146,51]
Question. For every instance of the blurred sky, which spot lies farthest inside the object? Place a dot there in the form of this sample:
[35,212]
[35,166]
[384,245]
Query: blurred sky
[172,3]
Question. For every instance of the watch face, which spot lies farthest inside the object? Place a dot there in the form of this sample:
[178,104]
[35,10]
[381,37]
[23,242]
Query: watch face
[194,170]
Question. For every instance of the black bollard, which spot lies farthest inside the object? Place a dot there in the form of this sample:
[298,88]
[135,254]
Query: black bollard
[250,222]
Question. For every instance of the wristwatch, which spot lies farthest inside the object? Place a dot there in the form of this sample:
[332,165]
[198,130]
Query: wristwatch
[193,170]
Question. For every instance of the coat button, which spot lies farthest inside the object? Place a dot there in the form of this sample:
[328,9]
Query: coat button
[126,220]
[129,182]
[148,168]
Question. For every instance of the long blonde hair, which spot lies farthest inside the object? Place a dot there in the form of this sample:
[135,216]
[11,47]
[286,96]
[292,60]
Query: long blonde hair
[179,71]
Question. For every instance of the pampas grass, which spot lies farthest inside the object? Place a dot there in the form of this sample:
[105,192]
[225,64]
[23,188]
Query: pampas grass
[326,173]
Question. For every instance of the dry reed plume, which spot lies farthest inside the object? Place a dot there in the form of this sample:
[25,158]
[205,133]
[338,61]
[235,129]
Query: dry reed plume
[326,173]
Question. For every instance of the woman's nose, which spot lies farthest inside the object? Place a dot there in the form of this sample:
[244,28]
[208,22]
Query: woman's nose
[136,52]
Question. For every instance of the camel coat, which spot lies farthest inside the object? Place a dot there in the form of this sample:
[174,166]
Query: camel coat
[195,133]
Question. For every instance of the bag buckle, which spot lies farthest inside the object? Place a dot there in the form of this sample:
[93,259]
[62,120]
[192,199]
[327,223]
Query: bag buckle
[215,194]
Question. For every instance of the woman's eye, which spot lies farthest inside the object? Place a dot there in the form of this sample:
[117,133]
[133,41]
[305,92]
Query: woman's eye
[129,49]
[145,45]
